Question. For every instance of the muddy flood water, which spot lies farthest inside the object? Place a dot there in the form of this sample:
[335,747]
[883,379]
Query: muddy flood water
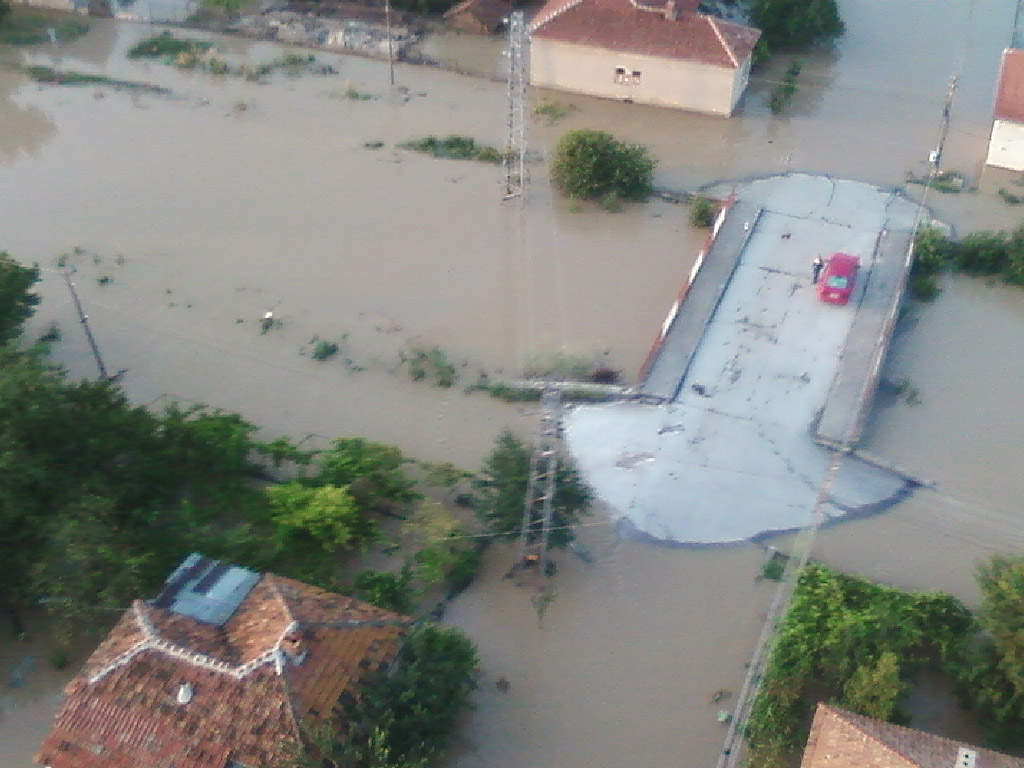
[195,213]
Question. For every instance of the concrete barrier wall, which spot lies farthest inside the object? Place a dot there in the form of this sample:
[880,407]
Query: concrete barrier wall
[673,311]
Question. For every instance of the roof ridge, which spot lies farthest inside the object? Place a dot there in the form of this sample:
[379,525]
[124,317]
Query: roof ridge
[535,25]
[276,589]
[721,38]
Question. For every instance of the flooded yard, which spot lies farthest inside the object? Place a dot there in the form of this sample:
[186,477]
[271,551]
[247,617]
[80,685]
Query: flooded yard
[196,213]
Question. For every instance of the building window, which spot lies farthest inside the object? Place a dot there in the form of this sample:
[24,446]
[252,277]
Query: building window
[623,76]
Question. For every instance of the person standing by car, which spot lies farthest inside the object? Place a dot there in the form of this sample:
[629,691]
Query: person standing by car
[816,267]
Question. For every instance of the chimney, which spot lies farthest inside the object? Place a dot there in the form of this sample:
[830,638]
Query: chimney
[293,647]
[966,758]
[184,693]
[671,12]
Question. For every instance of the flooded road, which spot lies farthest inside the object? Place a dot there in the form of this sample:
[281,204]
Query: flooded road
[202,213]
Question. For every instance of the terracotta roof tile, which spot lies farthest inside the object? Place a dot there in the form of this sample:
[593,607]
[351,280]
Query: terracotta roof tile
[841,739]
[618,25]
[288,652]
[1010,95]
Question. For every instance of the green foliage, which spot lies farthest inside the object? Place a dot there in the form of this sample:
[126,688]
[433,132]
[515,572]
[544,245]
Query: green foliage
[854,641]
[326,517]
[702,211]
[454,148]
[783,93]
[554,110]
[411,713]
[501,487]
[324,350]
[991,677]
[442,544]
[52,76]
[430,364]
[165,44]
[87,572]
[230,7]
[593,164]
[373,472]
[17,302]
[875,689]
[390,591]
[786,24]
[32,29]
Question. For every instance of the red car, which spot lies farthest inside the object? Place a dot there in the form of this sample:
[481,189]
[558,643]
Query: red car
[836,282]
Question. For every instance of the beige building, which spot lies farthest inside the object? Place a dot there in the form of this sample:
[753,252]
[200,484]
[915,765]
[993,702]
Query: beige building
[1006,146]
[667,55]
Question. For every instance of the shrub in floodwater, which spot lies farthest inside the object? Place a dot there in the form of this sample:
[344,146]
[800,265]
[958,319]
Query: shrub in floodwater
[783,93]
[430,364]
[166,44]
[702,211]
[324,350]
[59,658]
[554,111]
[454,148]
[52,333]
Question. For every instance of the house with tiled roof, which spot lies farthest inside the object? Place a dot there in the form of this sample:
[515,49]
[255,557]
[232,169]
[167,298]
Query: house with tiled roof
[659,52]
[841,739]
[223,669]
[1006,143]
[484,17]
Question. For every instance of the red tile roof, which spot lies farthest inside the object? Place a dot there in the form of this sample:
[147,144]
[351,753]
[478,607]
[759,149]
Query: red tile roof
[647,29]
[841,739]
[286,654]
[1010,95]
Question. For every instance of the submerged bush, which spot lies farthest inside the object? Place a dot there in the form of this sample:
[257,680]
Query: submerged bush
[594,165]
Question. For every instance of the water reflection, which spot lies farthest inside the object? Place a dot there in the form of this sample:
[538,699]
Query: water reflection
[26,127]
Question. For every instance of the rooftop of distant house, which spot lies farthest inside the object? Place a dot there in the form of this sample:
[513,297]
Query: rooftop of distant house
[662,28]
[1010,94]
[841,739]
[220,670]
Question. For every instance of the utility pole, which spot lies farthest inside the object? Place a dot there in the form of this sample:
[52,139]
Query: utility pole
[391,45]
[84,320]
[732,748]
[515,147]
[538,505]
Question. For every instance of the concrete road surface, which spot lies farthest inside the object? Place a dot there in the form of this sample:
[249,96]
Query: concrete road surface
[732,457]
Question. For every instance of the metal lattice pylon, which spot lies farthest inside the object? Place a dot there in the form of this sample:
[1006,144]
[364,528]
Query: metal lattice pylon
[538,505]
[515,148]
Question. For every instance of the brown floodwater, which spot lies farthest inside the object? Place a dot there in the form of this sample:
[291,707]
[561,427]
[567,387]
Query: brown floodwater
[202,215]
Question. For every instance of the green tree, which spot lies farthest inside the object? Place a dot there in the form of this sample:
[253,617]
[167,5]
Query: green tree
[390,591]
[5,10]
[1002,586]
[327,517]
[502,485]
[411,713]
[17,302]
[88,570]
[796,23]
[373,472]
[592,164]
[875,689]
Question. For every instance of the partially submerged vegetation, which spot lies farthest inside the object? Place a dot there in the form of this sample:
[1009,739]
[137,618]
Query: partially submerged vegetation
[594,165]
[947,182]
[993,254]
[454,148]
[861,646]
[166,45]
[187,53]
[783,93]
[26,28]
[703,211]
[52,76]
[554,110]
